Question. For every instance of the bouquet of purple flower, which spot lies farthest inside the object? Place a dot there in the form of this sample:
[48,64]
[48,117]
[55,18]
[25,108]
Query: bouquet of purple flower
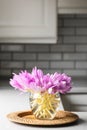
[37,81]
[44,89]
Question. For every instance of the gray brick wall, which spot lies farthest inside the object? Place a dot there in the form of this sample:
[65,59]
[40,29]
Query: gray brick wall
[69,55]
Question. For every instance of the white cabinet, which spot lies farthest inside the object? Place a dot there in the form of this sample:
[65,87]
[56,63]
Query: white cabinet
[28,21]
[72,6]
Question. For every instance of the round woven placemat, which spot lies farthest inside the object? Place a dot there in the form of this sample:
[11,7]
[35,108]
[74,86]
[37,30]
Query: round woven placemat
[26,117]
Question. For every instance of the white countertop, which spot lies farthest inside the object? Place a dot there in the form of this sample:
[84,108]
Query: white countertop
[11,101]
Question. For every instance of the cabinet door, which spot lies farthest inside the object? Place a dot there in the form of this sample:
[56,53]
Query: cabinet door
[28,21]
[72,6]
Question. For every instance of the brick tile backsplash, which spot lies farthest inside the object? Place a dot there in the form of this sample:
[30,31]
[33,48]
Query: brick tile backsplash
[75,22]
[5,72]
[68,56]
[5,56]
[13,48]
[37,48]
[66,31]
[62,64]
[75,56]
[81,65]
[40,64]
[24,56]
[75,39]
[49,56]
[81,48]
[81,31]
[62,48]
[11,64]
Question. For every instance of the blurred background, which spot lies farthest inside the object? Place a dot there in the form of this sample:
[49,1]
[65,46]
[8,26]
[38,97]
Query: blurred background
[68,55]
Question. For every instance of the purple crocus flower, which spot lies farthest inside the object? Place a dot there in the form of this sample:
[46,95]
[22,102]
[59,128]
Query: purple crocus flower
[61,83]
[36,81]
[21,81]
[65,84]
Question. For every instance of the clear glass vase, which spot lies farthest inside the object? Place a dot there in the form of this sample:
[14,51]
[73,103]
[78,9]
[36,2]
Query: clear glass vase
[44,105]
